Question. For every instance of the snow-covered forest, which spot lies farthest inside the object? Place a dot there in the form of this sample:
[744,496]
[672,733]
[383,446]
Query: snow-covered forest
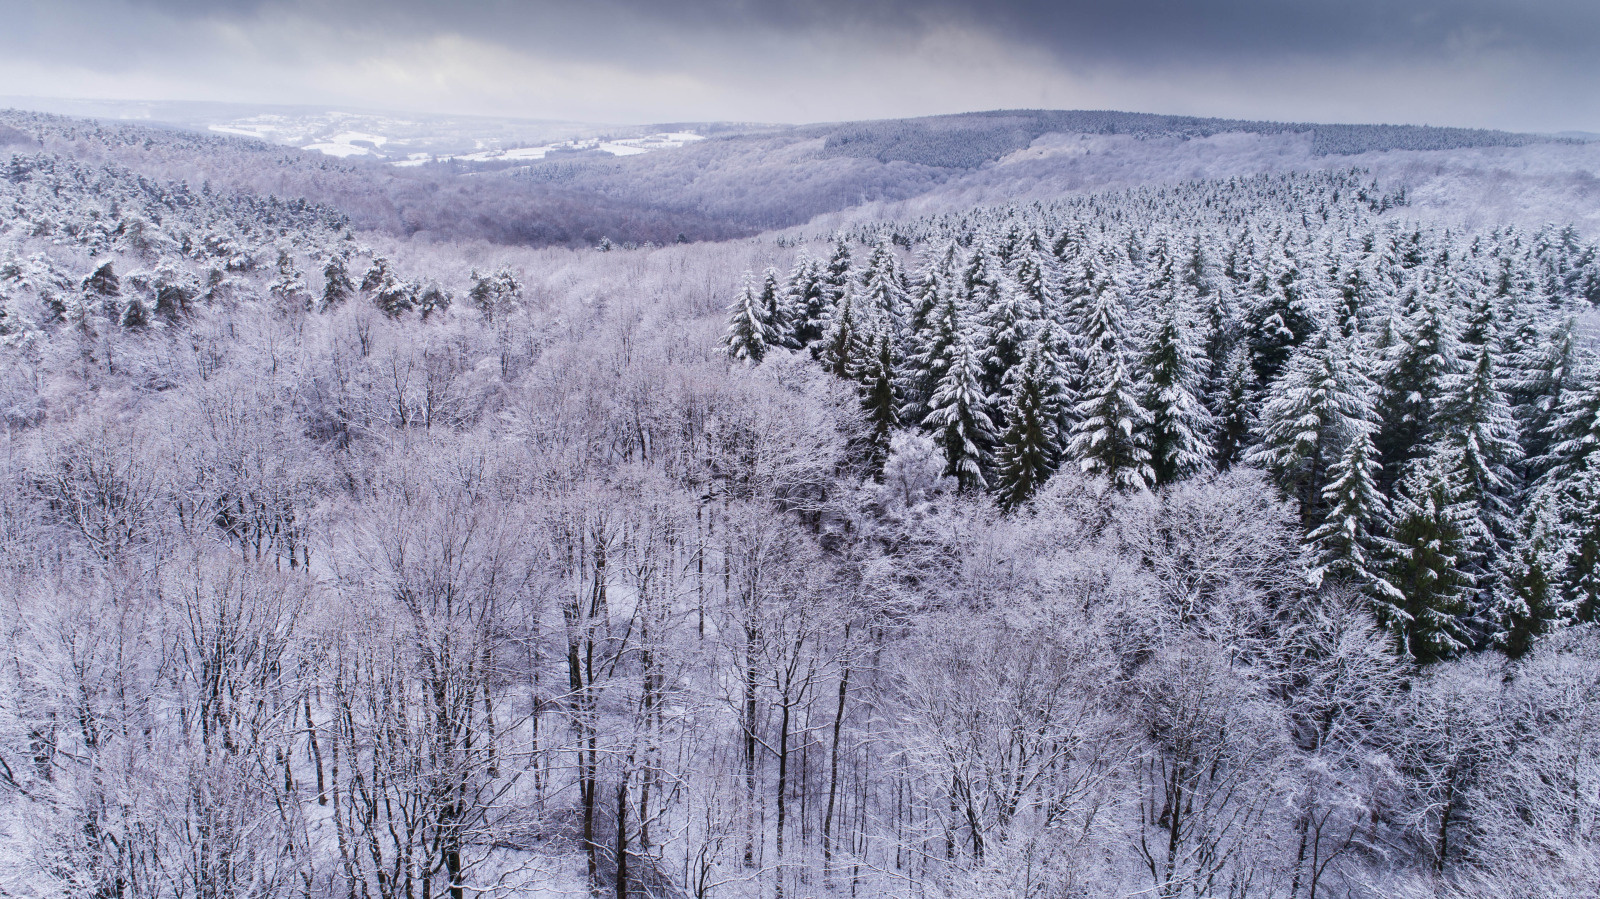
[1192,538]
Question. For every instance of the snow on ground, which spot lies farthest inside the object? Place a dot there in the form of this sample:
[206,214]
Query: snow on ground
[625,146]
[340,150]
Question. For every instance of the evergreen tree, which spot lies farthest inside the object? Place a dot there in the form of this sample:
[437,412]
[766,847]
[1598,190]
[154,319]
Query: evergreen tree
[396,296]
[1350,542]
[1180,424]
[1072,317]
[939,280]
[175,291]
[288,288]
[1534,572]
[1104,314]
[135,316]
[1321,401]
[103,282]
[1411,379]
[1282,313]
[1234,404]
[775,308]
[433,298]
[336,284]
[1010,321]
[983,272]
[495,295]
[884,287]
[933,349]
[807,299]
[1476,429]
[841,346]
[1357,297]
[1574,429]
[878,376]
[378,274]
[1029,447]
[1433,536]
[836,277]
[1035,275]
[959,417]
[1581,533]
[1481,322]
[1111,435]
[748,337]
[1542,362]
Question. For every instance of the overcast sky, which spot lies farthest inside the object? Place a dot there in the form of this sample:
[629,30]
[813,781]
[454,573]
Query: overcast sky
[1517,64]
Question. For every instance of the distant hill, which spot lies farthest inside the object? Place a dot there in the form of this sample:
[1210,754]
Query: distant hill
[741,179]
[969,140]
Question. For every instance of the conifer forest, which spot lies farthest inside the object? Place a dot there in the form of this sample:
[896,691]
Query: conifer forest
[1027,506]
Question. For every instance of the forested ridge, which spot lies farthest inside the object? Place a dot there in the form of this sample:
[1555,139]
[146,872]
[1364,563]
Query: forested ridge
[971,139]
[1224,538]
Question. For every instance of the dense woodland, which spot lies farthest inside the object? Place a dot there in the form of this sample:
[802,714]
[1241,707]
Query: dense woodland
[1225,538]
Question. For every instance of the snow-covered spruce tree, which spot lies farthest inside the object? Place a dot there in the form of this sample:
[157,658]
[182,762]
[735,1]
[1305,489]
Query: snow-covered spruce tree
[841,347]
[1104,321]
[1475,427]
[1351,543]
[1533,574]
[1357,296]
[1111,436]
[775,307]
[807,299]
[984,270]
[836,277]
[748,336]
[883,287]
[1030,446]
[877,374]
[1173,373]
[1281,312]
[1010,319]
[1573,435]
[933,347]
[1035,274]
[1579,521]
[1411,376]
[1321,401]
[1234,403]
[1541,358]
[958,417]
[1434,535]
[336,284]
[1071,315]
[939,278]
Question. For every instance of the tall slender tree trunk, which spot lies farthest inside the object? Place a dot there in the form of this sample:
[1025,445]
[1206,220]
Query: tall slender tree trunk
[833,767]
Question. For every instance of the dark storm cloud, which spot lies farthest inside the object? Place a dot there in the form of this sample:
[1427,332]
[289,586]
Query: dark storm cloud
[1510,64]
[1111,31]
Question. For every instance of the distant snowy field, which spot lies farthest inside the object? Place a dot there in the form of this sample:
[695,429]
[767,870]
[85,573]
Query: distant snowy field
[629,146]
[415,140]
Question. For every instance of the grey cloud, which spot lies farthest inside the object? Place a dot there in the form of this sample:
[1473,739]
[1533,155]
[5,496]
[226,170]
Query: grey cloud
[1536,57]
[1106,31]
